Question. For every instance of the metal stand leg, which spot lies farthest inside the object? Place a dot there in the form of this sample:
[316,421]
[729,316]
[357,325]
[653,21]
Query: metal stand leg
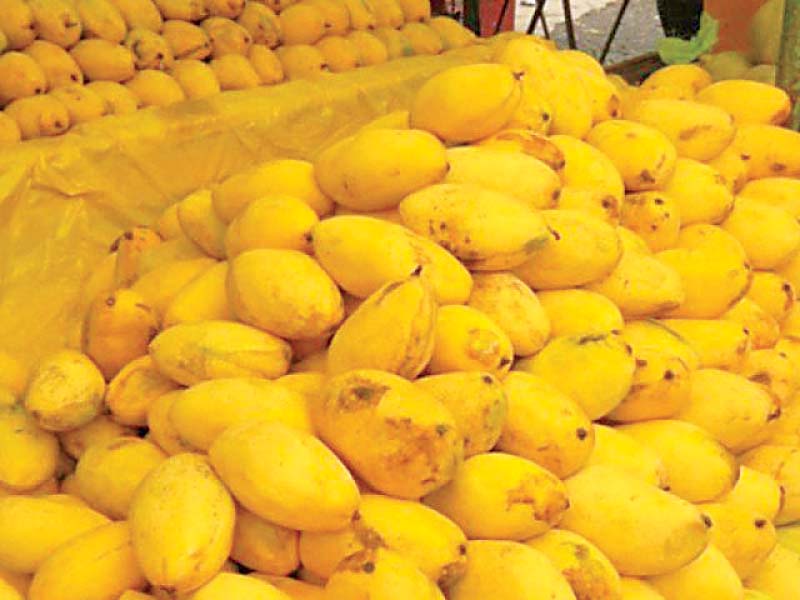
[537,14]
[502,16]
[573,43]
[612,36]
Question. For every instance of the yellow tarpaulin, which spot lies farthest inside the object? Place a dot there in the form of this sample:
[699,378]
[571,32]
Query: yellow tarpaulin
[64,200]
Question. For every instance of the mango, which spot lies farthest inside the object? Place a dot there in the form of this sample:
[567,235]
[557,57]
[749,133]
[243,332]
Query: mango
[700,193]
[748,223]
[506,570]
[274,454]
[302,23]
[30,453]
[118,99]
[749,102]
[140,14]
[130,247]
[340,53]
[21,77]
[517,140]
[56,21]
[235,72]
[18,26]
[769,151]
[337,15]
[295,589]
[302,61]
[82,103]
[266,64]
[192,352]
[638,589]
[733,168]
[776,575]
[743,536]
[160,285]
[450,280]
[182,494]
[776,191]
[59,68]
[101,19]
[439,108]
[756,491]
[735,410]
[183,10]
[464,219]
[614,448]
[371,50]
[359,172]
[232,585]
[101,60]
[204,298]
[131,392]
[676,532]
[774,370]
[783,464]
[372,401]
[718,344]
[196,79]
[155,88]
[576,312]
[99,431]
[688,80]
[587,168]
[264,546]
[187,41]
[454,35]
[535,112]
[160,427]
[709,576]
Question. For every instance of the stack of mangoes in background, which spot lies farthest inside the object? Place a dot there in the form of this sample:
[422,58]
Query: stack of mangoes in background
[537,337]
[65,62]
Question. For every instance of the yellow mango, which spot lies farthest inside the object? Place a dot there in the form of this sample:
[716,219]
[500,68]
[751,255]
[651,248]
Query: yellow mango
[709,576]
[589,573]
[415,10]
[454,35]
[761,328]
[676,532]
[65,392]
[234,72]
[777,575]
[732,167]
[131,392]
[774,370]
[155,88]
[698,468]
[197,80]
[450,280]
[392,330]
[119,100]
[227,37]
[181,494]
[743,536]
[321,552]
[749,102]
[638,589]
[534,113]
[477,402]
[10,132]
[781,192]
[260,462]
[283,292]
[34,527]
[202,412]
[39,116]
[186,40]
[468,340]
[614,448]
[340,53]
[380,573]
[96,565]
[654,216]
[234,585]
[18,25]
[735,410]
[439,107]
[783,464]
[769,151]
[56,21]
[755,595]
[81,103]
[150,50]
[688,79]
[99,431]
[301,61]
[130,248]
[466,220]
[423,39]
[9,592]
[501,496]
[544,425]
[184,10]
[644,157]
[162,284]
[192,352]
[718,344]
[101,19]
[604,98]
[371,50]
[372,402]
[278,177]
[22,77]
[204,298]
[505,570]
[768,234]
[101,60]
[60,69]
[297,590]
[108,473]
[587,168]
[525,141]
[699,192]
[515,174]
[29,453]
[361,172]
[583,249]
[302,23]
[140,14]
[266,64]
[506,300]
[756,491]
[160,427]
[264,546]
[337,15]
[577,365]
[579,312]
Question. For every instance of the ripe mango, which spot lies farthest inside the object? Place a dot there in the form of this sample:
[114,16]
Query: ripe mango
[576,312]
[756,491]
[56,21]
[476,401]
[182,10]
[264,546]
[149,50]
[505,570]
[654,216]
[749,102]
[276,221]
[302,23]
[82,103]
[234,585]
[362,14]
[638,589]
[776,191]
[589,573]
[735,410]
[466,220]
[450,280]
[227,37]
[234,72]
[266,64]
[206,410]
[20,77]
[700,193]
[196,214]
[718,344]
[160,428]
[392,330]
[229,9]
[196,79]
[423,39]
[99,431]
[676,532]
[337,15]
[196,504]
[118,99]
[774,370]
[709,576]
[515,174]
[295,589]
[140,14]
[260,463]
[587,168]
[134,388]
[361,172]
[161,284]
[30,453]
[530,143]
[155,88]
[768,234]
[59,68]
[372,402]
[783,464]
[686,81]
[101,19]
[34,526]
[439,108]
[614,448]
[743,536]
[371,50]
[733,167]
[204,298]
[388,13]
[643,155]
[18,26]
[301,61]
[775,576]
[186,40]
[698,468]
[501,496]
[340,53]
[100,60]
[534,113]
[769,151]
[454,34]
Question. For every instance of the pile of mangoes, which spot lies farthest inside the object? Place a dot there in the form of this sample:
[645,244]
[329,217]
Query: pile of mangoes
[536,338]
[66,62]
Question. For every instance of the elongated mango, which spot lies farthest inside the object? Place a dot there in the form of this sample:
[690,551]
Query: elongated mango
[756,491]
[709,576]
[577,312]
[29,452]
[204,298]
[718,344]
[614,448]
[264,546]
[782,463]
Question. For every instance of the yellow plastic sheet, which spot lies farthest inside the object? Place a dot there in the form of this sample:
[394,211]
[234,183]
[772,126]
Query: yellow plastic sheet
[64,200]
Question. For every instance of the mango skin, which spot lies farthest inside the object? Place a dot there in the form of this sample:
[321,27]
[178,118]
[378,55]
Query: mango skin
[505,570]
[700,192]
[638,589]
[782,463]
[30,453]
[756,491]
[748,223]
[406,463]
[709,576]
[234,585]
[96,565]
[615,448]
[182,493]
[772,151]
[296,589]
[545,425]
[276,221]
[576,312]
[776,575]
[325,502]
[264,546]
[677,533]
[204,298]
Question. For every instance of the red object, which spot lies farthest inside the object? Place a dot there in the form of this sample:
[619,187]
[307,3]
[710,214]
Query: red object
[490,13]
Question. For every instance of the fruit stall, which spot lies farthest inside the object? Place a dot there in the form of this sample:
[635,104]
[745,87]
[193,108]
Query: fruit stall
[336,300]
